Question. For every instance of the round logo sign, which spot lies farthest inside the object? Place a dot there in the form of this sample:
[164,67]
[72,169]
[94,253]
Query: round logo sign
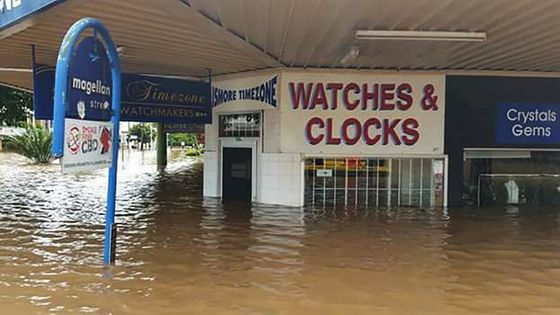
[73,139]
[81,107]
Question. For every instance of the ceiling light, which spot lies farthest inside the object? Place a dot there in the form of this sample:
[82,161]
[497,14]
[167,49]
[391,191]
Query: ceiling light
[421,35]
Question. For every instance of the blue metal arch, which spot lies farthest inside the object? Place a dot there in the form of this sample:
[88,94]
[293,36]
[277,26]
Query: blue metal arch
[61,101]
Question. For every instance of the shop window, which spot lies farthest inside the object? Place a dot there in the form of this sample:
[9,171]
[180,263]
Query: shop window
[246,125]
[378,182]
[511,177]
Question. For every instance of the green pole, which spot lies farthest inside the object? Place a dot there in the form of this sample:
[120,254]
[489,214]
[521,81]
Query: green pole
[161,146]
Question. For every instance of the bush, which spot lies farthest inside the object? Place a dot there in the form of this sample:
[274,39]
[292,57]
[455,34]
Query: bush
[35,144]
[192,152]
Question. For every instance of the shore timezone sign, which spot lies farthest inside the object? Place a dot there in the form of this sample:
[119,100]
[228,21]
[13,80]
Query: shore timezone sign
[86,96]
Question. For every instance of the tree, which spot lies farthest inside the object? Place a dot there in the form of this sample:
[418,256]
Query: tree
[35,144]
[175,139]
[143,132]
[15,106]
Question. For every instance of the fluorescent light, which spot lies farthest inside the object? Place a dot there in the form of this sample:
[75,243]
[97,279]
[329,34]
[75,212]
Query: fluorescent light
[421,35]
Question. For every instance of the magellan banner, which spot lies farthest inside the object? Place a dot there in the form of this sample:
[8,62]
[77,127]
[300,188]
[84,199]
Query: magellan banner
[361,113]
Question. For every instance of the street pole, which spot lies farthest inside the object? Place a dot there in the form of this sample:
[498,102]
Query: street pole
[161,147]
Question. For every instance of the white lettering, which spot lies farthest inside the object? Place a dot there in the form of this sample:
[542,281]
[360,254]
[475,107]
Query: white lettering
[517,130]
[8,5]
[90,87]
[513,116]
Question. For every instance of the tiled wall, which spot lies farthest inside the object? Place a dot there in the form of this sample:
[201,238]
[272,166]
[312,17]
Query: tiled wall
[211,174]
[280,179]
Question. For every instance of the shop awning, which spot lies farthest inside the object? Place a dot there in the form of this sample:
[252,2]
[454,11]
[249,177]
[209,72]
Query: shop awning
[187,37]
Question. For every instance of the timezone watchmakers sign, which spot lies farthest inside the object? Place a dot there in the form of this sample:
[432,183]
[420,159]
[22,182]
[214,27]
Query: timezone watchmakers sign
[363,113]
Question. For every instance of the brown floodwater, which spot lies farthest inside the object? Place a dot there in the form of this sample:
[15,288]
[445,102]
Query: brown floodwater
[179,253]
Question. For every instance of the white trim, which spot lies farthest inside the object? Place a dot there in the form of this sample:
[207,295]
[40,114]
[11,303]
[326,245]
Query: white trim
[445,180]
[511,149]
[378,156]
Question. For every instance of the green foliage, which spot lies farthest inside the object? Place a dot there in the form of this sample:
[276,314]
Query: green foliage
[142,131]
[175,139]
[35,144]
[193,152]
[14,106]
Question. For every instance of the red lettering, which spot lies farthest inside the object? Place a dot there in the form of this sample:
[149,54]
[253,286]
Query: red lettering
[351,140]
[314,140]
[356,88]
[389,131]
[334,88]
[369,96]
[387,95]
[331,140]
[320,97]
[300,94]
[372,122]
[403,94]
[411,134]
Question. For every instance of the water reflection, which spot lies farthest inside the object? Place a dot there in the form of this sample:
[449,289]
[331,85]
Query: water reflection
[181,253]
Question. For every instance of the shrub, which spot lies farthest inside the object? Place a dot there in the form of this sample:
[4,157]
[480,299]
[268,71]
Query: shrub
[192,152]
[35,144]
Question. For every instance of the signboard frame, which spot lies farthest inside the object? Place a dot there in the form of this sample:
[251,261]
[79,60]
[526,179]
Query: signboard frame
[61,86]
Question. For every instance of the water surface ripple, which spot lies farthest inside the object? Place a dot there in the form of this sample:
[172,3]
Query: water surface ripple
[179,253]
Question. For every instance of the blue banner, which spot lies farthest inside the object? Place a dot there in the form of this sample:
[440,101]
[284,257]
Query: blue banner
[527,124]
[14,11]
[43,91]
[265,92]
[144,98]
[89,82]
[159,99]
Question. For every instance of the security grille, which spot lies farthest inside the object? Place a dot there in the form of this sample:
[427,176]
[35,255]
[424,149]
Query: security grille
[379,182]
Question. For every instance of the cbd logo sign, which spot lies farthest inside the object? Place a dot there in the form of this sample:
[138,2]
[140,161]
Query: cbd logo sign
[8,5]
[89,145]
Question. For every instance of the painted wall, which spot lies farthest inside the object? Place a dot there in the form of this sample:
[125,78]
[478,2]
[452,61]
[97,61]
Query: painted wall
[279,177]
[345,113]
[362,113]
[474,113]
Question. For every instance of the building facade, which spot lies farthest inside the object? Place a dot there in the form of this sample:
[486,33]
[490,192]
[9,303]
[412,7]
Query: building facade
[312,137]
[502,137]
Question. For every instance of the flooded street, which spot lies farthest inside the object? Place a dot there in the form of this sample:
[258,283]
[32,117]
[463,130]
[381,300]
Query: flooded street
[178,253]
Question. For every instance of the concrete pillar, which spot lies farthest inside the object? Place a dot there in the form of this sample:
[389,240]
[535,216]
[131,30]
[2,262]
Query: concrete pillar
[161,146]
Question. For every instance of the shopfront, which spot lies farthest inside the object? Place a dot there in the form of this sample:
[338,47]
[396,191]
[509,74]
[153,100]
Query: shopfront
[329,138]
[503,141]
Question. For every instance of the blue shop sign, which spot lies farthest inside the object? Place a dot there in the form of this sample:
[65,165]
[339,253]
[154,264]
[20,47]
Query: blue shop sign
[264,93]
[144,98]
[89,82]
[43,91]
[527,124]
[160,99]
[14,11]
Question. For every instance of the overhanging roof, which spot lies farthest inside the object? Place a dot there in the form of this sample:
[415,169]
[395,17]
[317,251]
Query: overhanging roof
[184,38]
